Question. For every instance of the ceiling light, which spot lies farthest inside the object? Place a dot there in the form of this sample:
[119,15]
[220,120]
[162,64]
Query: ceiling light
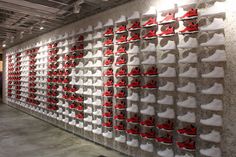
[41,28]
[4,45]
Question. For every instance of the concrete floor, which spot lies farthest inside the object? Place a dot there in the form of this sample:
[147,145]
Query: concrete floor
[24,136]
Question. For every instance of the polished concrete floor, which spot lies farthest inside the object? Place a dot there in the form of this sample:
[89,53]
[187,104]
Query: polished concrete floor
[24,136]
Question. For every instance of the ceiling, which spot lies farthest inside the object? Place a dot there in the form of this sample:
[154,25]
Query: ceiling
[20,20]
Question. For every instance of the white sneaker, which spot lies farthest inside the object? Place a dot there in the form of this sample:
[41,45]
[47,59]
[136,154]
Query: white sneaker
[97,131]
[150,98]
[81,31]
[73,122]
[169,59]
[167,100]
[98,83]
[169,46]
[60,95]
[89,29]
[66,120]
[191,58]
[135,61]
[88,110]
[89,64]
[218,56]
[66,104]
[214,89]
[98,35]
[166,153]
[80,91]
[213,136]
[89,82]
[89,72]
[121,139]
[88,47]
[216,40]
[98,63]
[191,43]
[97,54]
[134,16]
[150,48]
[98,92]
[217,9]
[133,97]
[98,73]
[97,102]
[184,3]
[190,73]
[211,152]
[170,72]
[121,19]
[133,143]
[107,134]
[88,37]
[214,105]
[217,72]
[98,26]
[79,82]
[133,50]
[148,147]
[97,121]
[80,65]
[88,128]
[88,119]
[169,86]
[88,92]
[217,24]
[188,88]
[148,111]
[190,102]
[133,108]
[98,45]
[149,60]
[189,117]
[80,125]
[98,112]
[89,55]
[168,113]
[109,23]
[150,12]
[215,120]
[72,114]
[88,101]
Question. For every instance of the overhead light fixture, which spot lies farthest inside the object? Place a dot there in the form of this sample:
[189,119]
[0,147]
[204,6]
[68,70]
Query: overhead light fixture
[41,28]
[4,45]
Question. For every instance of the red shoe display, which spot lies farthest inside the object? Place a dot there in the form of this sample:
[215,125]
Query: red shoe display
[134,130]
[121,29]
[121,72]
[134,37]
[168,139]
[108,62]
[191,28]
[190,14]
[108,52]
[120,116]
[122,39]
[121,83]
[188,131]
[108,72]
[120,105]
[150,134]
[134,119]
[121,50]
[119,127]
[120,61]
[135,71]
[168,126]
[150,35]
[188,145]
[135,26]
[108,32]
[120,94]
[72,106]
[148,122]
[135,83]
[167,32]
[108,93]
[108,103]
[107,114]
[109,83]
[108,42]
[170,17]
[80,108]
[80,99]
[107,124]
[150,22]
[79,116]
[151,71]
[151,84]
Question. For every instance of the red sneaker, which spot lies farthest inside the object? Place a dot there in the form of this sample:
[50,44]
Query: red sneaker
[80,99]
[73,97]
[168,139]
[108,103]
[134,119]
[190,14]
[150,22]
[72,106]
[135,71]
[148,122]
[108,32]
[151,71]
[170,17]
[135,26]
[121,72]
[81,38]
[191,28]
[169,126]
[150,134]
[80,47]
[122,39]
[120,105]
[121,29]
[121,83]
[108,62]
[189,131]
[107,114]
[150,35]
[120,116]
[168,31]
[134,37]
[119,127]
[80,108]
[66,80]
[108,72]
[121,50]
[79,116]
[151,84]
[188,145]
[134,130]
[108,42]
[135,83]
[108,52]
[73,89]
[120,61]
[73,48]
[109,83]
[120,94]
[108,93]
[107,124]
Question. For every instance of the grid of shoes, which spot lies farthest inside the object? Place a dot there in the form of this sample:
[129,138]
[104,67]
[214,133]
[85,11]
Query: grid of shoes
[104,79]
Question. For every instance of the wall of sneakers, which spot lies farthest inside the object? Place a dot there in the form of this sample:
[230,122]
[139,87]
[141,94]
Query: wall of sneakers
[147,84]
